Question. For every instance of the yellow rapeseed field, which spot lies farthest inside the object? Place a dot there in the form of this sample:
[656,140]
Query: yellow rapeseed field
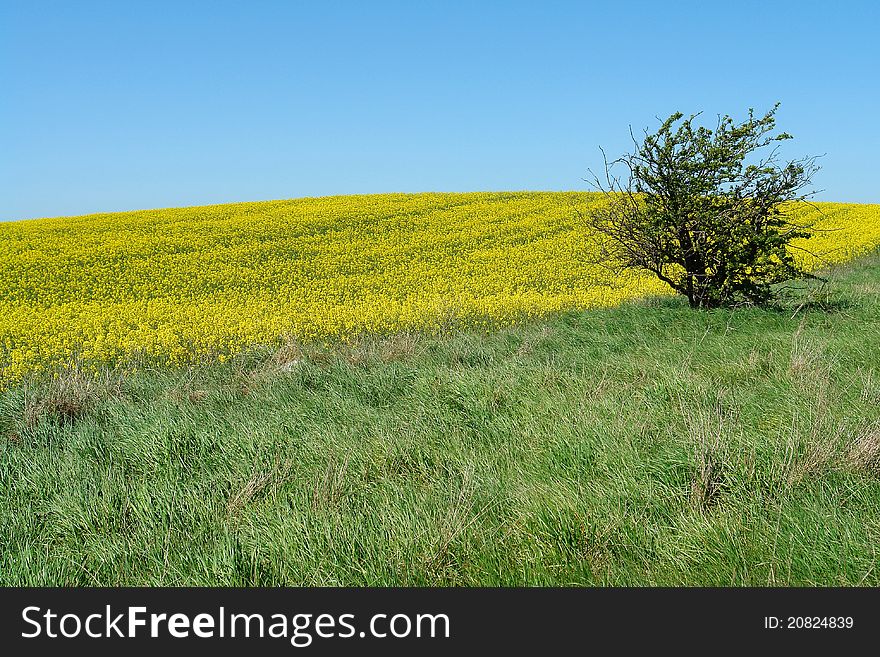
[173,285]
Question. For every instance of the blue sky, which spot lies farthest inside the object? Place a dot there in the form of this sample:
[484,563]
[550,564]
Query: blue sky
[125,105]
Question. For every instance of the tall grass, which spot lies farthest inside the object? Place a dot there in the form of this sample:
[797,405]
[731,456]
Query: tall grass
[645,444]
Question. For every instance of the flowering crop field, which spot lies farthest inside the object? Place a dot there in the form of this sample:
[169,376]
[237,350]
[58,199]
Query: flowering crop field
[170,286]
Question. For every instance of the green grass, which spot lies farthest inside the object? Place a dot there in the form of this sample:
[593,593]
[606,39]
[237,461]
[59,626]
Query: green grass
[643,445]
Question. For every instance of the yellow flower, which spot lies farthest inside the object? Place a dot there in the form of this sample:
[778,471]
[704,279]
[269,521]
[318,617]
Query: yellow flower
[170,286]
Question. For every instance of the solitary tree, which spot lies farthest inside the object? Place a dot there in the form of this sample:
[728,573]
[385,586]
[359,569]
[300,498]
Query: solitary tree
[704,211]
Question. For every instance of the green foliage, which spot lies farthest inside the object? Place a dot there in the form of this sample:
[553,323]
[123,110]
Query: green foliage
[704,213]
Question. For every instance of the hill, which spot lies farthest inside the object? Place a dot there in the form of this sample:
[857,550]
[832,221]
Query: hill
[180,285]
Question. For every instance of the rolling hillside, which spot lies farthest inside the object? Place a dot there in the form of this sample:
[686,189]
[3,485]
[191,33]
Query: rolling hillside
[177,285]
[425,390]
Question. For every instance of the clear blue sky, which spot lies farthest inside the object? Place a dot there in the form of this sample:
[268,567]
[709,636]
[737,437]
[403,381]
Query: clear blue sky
[126,105]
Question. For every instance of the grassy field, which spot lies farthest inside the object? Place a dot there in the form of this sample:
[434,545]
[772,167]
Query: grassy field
[643,444]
